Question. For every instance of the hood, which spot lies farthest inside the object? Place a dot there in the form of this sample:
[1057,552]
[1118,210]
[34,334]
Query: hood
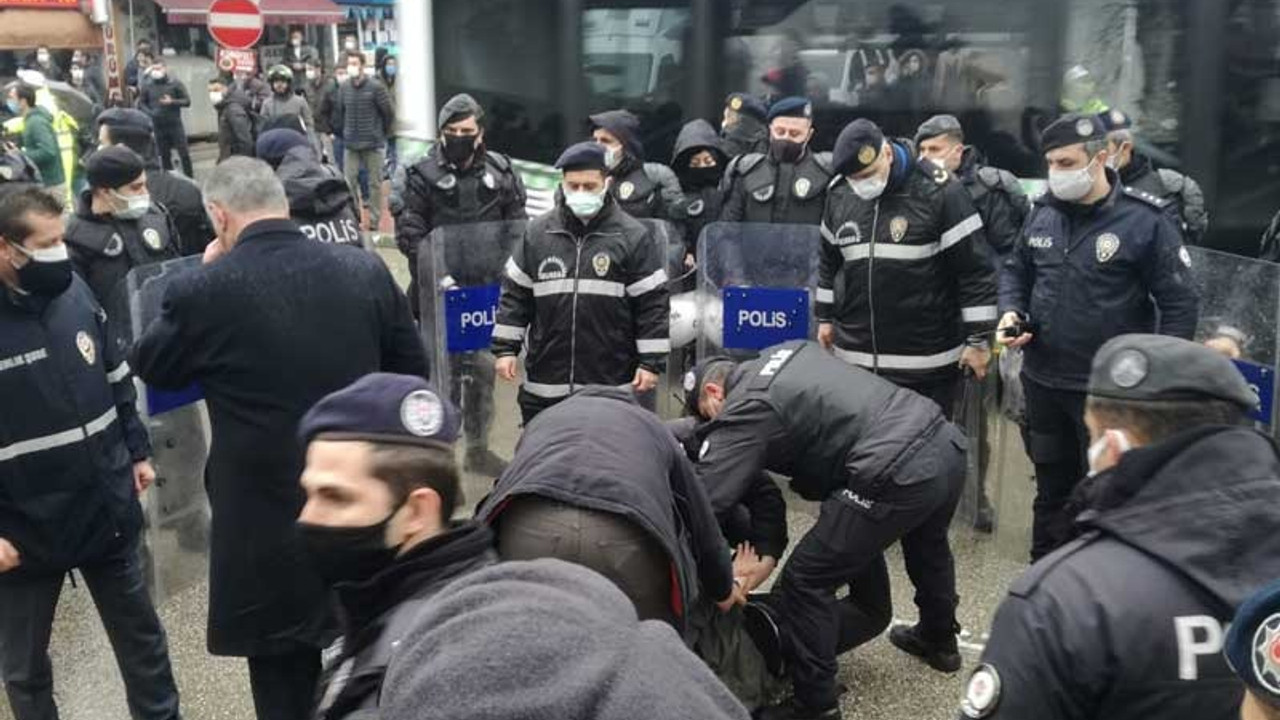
[272,145]
[625,126]
[314,190]
[970,159]
[695,136]
[1205,503]
[1138,166]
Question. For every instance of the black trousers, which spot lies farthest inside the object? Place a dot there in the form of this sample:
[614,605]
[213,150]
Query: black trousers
[168,139]
[1058,443]
[120,593]
[847,546]
[471,377]
[284,686]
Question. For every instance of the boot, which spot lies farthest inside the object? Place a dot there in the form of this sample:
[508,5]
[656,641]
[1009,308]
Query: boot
[759,621]
[941,655]
[480,460]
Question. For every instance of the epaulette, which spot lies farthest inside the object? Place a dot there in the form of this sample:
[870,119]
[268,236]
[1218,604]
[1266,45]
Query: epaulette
[1030,579]
[744,164]
[1146,197]
[824,161]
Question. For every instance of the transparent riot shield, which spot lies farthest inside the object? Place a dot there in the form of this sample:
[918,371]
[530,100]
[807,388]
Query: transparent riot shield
[756,285]
[177,508]
[666,399]
[460,269]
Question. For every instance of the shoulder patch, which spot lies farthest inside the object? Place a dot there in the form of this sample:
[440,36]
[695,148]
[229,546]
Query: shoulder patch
[746,163]
[1025,586]
[1145,197]
[823,160]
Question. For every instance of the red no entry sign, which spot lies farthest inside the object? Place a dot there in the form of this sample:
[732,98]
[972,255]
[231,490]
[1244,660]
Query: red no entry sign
[235,24]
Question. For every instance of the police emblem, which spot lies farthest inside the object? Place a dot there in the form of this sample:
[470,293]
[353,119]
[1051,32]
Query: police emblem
[764,194]
[552,268]
[600,263]
[706,445]
[1185,257]
[802,187]
[1084,127]
[489,182]
[695,208]
[866,155]
[898,228]
[1117,117]
[88,350]
[848,230]
[152,238]
[1128,369]
[421,413]
[115,245]
[690,381]
[982,694]
[448,182]
[735,103]
[625,190]
[1266,654]
[1106,246]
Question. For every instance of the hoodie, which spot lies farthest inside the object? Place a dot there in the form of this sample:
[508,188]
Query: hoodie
[643,190]
[320,201]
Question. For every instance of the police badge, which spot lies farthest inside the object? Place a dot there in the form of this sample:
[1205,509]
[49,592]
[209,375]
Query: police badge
[982,694]
[489,182]
[866,155]
[448,182]
[802,187]
[695,208]
[152,238]
[625,190]
[764,194]
[1107,245]
[115,245]
[1266,654]
[421,413]
[85,345]
[1084,127]
[600,263]
[735,103]
[898,228]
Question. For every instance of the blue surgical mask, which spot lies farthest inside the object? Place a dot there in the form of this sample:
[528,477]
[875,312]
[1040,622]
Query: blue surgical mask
[390,70]
[12,105]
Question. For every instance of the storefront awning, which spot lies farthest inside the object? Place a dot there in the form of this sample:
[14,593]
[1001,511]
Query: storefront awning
[24,28]
[274,12]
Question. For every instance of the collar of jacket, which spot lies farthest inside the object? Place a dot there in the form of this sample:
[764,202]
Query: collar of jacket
[270,228]
[1138,166]
[626,166]
[970,159]
[903,164]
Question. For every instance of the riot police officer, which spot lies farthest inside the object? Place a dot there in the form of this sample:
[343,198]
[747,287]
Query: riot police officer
[1176,527]
[1183,195]
[460,181]
[743,127]
[699,163]
[885,465]
[1095,260]
[786,185]
[320,201]
[641,189]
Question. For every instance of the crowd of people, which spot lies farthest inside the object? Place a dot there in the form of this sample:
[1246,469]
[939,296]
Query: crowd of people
[622,565]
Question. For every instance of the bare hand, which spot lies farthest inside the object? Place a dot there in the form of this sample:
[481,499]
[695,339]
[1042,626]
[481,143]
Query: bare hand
[165,100]
[826,335]
[750,568]
[689,261]
[506,367]
[738,596]
[9,556]
[1009,320]
[143,475]
[1225,345]
[977,360]
[213,251]
[644,381]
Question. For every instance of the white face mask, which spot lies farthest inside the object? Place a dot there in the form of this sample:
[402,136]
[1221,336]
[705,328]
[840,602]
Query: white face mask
[612,157]
[1072,185]
[57,253]
[354,71]
[215,97]
[1099,447]
[42,58]
[869,188]
[135,205]
[584,204]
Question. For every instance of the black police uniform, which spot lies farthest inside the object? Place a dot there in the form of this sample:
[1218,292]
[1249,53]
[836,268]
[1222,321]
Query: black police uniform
[703,198]
[1183,195]
[884,463]
[760,189]
[320,200]
[998,197]
[1126,621]
[641,189]
[1082,275]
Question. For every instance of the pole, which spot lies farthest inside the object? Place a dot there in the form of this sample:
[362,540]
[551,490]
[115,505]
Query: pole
[416,92]
[132,44]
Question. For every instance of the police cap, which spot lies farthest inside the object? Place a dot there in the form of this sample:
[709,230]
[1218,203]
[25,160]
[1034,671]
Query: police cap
[858,146]
[460,107]
[697,377]
[747,104]
[939,125]
[1071,129]
[383,408]
[582,156]
[112,167]
[126,119]
[1114,119]
[1252,647]
[797,107]
[1154,368]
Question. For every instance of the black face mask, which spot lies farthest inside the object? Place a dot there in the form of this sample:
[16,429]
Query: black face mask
[46,279]
[703,177]
[458,149]
[348,554]
[785,151]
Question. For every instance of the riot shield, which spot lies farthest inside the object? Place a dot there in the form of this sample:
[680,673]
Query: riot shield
[756,285]
[460,269]
[177,508]
[667,399]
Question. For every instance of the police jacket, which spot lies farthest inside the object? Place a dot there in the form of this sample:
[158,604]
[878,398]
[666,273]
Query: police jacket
[1126,622]
[182,199]
[644,190]
[320,201]
[998,197]
[759,189]
[381,612]
[799,411]
[907,277]
[748,135]
[1183,195]
[69,434]
[105,248]
[699,205]
[1082,275]
[600,450]
[589,302]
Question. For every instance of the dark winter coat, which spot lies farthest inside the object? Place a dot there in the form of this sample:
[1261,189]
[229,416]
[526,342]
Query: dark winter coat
[364,113]
[700,205]
[1186,199]
[235,125]
[164,116]
[181,197]
[759,189]
[999,200]
[320,200]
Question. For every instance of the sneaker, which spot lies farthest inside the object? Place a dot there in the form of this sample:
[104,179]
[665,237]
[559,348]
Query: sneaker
[482,461]
[943,657]
[795,710]
[762,627]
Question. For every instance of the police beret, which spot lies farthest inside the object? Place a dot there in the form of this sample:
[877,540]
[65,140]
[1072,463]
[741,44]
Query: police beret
[126,119]
[939,125]
[1071,129]
[273,145]
[696,377]
[1155,368]
[582,156]
[460,107]
[1252,647]
[1114,119]
[858,146]
[385,408]
[112,167]
[747,104]
[791,107]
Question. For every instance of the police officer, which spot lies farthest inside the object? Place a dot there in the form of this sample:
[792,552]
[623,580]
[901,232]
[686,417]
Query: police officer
[1095,260]
[73,460]
[1183,195]
[1253,654]
[116,227]
[587,286]
[320,201]
[699,162]
[174,192]
[460,181]
[744,125]
[885,465]
[1176,527]
[641,189]
[905,247]
[787,184]
[995,193]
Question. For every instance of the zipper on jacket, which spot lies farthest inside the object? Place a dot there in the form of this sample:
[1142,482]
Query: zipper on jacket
[871,302]
[573,314]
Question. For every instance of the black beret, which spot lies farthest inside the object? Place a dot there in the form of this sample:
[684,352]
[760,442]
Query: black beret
[1114,119]
[582,156]
[791,107]
[857,147]
[112,167]
[1154,368]
[747,104]
[385,408]
[939,125]
[126,119]
[1252,647]
[460,107]
[1072,129]
[695,378]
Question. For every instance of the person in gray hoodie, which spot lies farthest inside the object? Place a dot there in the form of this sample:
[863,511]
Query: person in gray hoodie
[284,102]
